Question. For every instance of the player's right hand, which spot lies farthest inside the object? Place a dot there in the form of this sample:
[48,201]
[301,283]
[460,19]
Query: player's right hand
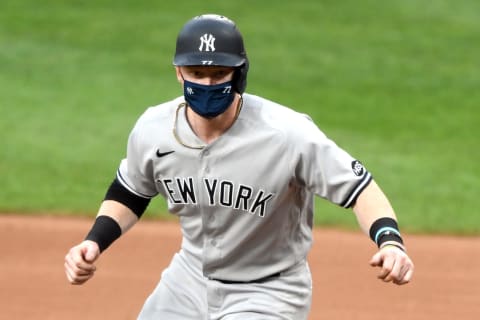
[79,262]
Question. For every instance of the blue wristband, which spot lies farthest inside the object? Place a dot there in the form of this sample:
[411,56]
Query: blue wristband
[385,229]
[384,232]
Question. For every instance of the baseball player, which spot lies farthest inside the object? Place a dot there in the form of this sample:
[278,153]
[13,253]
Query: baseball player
[241,173]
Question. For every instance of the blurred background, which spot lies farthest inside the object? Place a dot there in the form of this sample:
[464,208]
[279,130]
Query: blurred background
[395,83]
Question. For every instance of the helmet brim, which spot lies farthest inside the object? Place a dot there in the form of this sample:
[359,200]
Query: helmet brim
[209,59]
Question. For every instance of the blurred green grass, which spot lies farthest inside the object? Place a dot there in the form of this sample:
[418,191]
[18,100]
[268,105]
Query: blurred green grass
[395,83]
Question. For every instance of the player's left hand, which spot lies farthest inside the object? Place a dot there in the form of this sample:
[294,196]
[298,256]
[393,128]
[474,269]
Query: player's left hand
[396,265]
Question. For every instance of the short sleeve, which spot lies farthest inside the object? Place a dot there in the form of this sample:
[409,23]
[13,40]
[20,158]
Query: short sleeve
[326,169]
[135,172]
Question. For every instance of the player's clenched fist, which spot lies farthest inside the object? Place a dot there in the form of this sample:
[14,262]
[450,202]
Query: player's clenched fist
[79,262]
[395,265]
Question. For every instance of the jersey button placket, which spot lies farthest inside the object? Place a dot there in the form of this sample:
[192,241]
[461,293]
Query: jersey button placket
[204,161]
[212,245]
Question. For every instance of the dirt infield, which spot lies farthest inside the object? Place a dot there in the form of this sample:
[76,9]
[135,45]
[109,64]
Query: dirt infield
[33,286]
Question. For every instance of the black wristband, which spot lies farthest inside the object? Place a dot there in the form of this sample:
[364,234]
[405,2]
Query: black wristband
[104,232]
[385,230]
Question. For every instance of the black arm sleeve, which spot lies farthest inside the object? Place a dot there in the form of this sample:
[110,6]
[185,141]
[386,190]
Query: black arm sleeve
[119,193]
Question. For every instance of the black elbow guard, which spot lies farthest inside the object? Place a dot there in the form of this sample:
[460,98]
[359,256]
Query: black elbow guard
[119,193]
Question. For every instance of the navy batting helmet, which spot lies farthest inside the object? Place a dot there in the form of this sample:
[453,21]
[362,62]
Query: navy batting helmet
[213,40]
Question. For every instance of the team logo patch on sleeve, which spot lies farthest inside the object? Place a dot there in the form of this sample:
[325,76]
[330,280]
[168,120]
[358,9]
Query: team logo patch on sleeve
[358,168]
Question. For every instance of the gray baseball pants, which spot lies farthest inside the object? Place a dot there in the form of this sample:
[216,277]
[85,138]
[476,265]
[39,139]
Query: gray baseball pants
[183,293]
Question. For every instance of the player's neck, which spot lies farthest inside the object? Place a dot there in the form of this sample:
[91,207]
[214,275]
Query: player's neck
[208,130]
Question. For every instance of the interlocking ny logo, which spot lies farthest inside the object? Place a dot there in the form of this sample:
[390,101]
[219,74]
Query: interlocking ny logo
[209,41]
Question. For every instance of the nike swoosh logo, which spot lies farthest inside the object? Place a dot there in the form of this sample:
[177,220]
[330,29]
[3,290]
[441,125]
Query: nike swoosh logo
[162,154]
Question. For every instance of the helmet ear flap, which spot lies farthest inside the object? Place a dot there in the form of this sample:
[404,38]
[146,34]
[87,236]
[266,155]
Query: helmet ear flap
[240,77]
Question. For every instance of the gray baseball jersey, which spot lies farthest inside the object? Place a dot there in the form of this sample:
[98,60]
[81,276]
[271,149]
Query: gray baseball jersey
[245,201]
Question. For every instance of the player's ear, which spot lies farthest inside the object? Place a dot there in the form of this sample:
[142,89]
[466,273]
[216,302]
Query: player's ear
[179,74]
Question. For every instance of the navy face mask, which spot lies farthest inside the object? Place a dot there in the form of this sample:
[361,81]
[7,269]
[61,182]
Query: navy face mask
[208,100]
